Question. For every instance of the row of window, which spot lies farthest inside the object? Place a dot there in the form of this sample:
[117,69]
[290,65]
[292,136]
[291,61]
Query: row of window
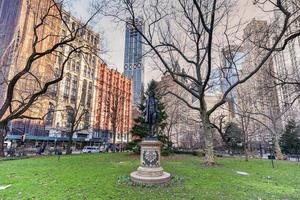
[75,67]
[71,85]
[84,33]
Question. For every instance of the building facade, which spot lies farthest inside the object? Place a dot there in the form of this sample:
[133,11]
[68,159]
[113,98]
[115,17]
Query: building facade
[133,59]
[287,69]
[184,126]
[257,96]
[17,37]
[81,87]
[113,105]
[76,92]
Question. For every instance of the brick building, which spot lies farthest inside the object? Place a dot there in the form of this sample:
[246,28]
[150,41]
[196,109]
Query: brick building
[113,104]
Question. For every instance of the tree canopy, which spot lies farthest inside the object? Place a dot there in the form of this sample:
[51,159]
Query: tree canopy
[290,139]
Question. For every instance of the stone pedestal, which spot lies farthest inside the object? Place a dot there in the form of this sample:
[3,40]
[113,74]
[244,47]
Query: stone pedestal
[150,171]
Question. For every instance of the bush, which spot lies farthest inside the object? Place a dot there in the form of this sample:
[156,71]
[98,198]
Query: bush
[197,152]
[133,146]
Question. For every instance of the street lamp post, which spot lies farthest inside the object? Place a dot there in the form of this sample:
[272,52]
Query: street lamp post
[271,153]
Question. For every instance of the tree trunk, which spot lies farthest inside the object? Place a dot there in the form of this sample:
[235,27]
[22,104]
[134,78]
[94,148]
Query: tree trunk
[275,140]
[208,137]
[2,144]
[277,149]
[114,137]
[247,151]
[2,138]
[246,144]
[69,145]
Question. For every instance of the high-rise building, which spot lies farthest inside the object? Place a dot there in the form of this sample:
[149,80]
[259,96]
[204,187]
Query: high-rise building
[257,95]
[232,60]
[287,68]
[133,59]
[18,19]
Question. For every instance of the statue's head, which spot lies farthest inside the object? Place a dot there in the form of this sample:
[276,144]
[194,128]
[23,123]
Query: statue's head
[151,94]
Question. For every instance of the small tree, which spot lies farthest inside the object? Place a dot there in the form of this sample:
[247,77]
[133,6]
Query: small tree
[289,141]
[77,120]
[140,128]
[233,136]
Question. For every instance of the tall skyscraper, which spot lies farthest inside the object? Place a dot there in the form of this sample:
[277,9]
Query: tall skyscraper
[232,60]
[133,61]
[257,94]
[287,68]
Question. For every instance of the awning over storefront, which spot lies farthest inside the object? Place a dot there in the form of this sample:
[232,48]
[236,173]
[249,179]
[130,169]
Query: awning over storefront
[46,138]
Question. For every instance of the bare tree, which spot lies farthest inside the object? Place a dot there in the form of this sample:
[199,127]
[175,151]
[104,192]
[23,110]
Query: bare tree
[249,127]
[188,32]
[27,86]
[78,119]
[270,122]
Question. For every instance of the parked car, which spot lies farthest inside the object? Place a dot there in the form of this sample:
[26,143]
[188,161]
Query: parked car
[91,149]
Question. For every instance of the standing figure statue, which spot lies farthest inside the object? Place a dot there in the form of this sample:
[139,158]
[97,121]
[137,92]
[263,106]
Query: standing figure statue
[151,114]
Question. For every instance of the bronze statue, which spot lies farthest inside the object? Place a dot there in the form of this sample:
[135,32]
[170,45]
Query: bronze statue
[151,115]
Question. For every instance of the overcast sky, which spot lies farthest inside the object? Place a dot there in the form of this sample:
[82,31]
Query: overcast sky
[114,35]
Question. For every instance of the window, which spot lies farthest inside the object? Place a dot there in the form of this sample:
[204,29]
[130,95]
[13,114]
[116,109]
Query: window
[83,32]
[94,60]
[92,39]
[68,65]
[86,124]
[90,93]
[83,92]
[73,26]
[66,18]
[85,70]
[67,87]
[50,114]
[73,66]
[92,73]
[70,116]
[89,72]
[74,90]
[77,66]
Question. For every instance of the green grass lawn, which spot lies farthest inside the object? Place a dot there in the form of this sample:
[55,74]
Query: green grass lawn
[95,177]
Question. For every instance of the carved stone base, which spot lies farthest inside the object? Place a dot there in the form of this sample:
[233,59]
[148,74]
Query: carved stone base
[150,171]
[149,180]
